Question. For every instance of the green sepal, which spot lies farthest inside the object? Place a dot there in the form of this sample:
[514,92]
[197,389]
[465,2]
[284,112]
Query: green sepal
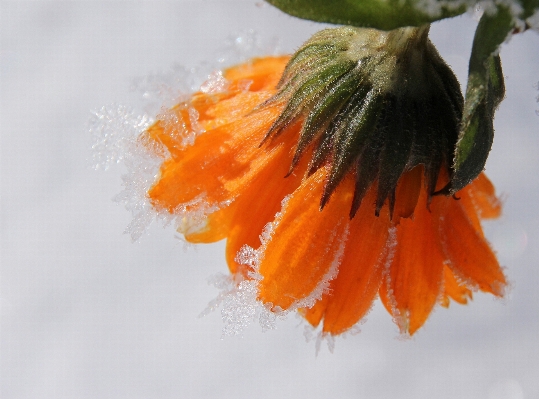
[399,136]
[325,109]
[379,14]
[351,134]
[484,93]
[309,90]
[367,169]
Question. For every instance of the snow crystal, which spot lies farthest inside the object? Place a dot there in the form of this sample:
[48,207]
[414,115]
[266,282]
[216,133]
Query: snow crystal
[117,130]
[476,8]
[113,128]
[216,83]
[312,334]
[168,88]
[142,163]
[239,308]
[225,283]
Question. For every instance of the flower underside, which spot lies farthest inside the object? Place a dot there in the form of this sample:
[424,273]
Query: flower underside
[272,148]
[376,104]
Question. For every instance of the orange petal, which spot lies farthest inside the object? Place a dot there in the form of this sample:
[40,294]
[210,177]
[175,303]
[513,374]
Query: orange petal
[219,155]
[195,173]
[315,313]
[470,255]
[263,72]
[258,194]
[479,202]
[216,227]
[483,196]
[176,127]
[413,282]
[259,198]
[360,273]
[237,107]
[257,201]
[454,290]
[306,242]
[407,193]
[249,85]
[231,140]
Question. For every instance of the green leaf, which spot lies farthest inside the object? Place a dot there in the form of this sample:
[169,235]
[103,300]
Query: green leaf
[484,93]
[379,14]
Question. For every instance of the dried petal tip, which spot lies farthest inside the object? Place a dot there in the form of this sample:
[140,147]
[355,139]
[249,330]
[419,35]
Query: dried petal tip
[374,103]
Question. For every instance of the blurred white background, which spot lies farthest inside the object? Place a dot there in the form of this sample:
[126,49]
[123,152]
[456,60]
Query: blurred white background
[85,313]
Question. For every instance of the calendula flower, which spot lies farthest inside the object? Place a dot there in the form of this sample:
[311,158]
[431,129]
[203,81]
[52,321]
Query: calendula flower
[326,174]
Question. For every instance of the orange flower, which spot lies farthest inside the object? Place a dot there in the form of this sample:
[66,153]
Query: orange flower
[322,262]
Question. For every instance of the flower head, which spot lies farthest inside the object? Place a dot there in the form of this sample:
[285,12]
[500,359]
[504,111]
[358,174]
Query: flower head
[295,160]
[380,103]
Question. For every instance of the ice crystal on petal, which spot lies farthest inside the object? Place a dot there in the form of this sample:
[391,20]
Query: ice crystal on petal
[168,88]
[322,286]
[176,127]
[330,341]
[215,83]
[312,334]
[387,256]
[117,134]
[226,284]
[116,130]
[269,228]
[240,308]
[241,305]
[191,216]
[142,165]
[269,315]
[112,128]
[248,256]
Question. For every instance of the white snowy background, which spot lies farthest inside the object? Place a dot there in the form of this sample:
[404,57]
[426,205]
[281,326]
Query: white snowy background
[86,313]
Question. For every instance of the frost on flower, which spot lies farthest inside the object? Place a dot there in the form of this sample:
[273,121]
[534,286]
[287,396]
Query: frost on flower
[326,177]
